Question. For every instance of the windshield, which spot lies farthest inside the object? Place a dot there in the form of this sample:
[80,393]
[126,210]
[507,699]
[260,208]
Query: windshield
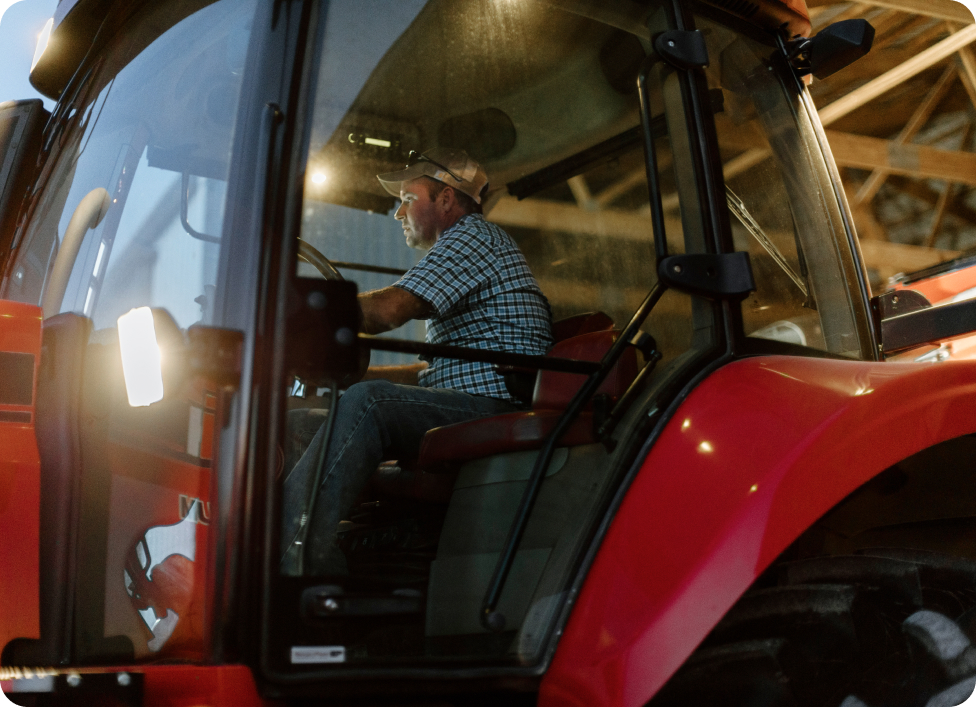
[396,502]
[780,198]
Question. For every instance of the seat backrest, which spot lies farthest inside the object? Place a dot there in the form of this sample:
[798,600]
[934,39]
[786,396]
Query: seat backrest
[553,390]
[580,324]
[521,381]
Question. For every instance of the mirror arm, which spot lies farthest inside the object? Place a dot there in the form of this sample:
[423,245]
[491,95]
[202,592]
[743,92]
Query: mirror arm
[184,208]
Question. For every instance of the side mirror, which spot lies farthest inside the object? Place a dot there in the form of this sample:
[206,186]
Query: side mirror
[158,358]
[832,49]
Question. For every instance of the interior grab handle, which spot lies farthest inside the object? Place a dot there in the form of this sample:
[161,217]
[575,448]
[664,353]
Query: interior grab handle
[88,214]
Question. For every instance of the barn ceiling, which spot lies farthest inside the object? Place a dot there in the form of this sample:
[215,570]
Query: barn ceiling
[901,125]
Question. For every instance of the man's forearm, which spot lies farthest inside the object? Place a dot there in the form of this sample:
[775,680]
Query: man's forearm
[404,375]
[390,308]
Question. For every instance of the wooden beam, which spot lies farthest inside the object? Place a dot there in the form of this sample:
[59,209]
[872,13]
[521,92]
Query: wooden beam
[833,89]
[967,65]
[908,32]
[581,192]
[939,216]
[621,187]
[946,198]
[943,9]
[920,161]
[921,191]
[969,85]
[743,162]
[888,80]
[914,124]
[569,218]
[853,12]
[887,20]
[867,226]
[917,161]
[892,258]
[627,182]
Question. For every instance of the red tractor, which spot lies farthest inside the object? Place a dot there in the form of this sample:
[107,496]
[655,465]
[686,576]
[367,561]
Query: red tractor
[946,283]
[715,490]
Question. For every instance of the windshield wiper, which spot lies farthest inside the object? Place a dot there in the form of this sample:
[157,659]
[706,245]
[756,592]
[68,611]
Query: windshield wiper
[745,218]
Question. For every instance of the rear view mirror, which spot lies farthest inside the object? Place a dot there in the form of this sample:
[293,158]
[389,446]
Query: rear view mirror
[21,126]
[835,47]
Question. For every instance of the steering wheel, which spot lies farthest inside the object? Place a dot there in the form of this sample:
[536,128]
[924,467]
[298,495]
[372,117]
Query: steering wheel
[311,255]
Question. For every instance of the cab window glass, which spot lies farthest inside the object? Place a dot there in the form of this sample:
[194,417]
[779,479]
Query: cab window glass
[775,187]
[543,98]
[143,165]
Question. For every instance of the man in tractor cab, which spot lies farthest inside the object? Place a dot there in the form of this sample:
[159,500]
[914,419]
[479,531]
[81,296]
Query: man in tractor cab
[475,290]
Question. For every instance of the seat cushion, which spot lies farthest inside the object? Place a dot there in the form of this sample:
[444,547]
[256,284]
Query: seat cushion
[444,448]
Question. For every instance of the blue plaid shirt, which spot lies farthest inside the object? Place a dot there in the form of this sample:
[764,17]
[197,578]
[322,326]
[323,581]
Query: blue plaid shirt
[485,297]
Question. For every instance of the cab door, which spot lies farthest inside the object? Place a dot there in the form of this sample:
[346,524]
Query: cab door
[128,222]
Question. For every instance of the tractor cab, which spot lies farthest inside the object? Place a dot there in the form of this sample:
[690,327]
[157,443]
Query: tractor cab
[202,210]
[467,553]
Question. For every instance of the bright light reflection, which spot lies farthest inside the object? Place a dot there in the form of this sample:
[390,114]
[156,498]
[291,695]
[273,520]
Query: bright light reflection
[319,177]
[686,424]
[753,488]
[706,447]
[98,259]
[140,357]
[42,40]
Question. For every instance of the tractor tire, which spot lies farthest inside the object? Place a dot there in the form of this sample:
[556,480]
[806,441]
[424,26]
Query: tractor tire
[882,628]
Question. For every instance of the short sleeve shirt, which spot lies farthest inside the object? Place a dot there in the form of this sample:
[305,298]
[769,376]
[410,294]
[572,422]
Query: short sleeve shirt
[484,296]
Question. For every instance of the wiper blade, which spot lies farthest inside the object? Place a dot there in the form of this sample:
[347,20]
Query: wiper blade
[737,207]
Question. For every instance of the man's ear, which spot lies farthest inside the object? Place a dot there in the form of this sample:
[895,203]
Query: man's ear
[447,198]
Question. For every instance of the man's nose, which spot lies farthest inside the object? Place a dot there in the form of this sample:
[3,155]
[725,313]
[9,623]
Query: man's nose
[399,215]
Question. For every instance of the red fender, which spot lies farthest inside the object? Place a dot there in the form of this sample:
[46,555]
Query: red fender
[20,468]
[755,455]
[189,686]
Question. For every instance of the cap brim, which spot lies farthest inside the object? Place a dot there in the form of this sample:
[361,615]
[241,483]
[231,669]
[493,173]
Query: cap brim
[391,181]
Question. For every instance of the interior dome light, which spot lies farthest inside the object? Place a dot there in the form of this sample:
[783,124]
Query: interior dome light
[319,177]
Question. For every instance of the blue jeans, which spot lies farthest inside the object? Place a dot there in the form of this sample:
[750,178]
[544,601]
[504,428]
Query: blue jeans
[375,421]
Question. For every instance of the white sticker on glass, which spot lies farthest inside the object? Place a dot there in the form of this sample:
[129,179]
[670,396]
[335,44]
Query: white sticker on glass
[318,654]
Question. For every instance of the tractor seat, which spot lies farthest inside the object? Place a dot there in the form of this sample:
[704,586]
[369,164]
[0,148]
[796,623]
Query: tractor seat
[520,382]
[444,449]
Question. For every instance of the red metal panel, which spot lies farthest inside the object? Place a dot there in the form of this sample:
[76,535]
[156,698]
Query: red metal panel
[942,288]
[753,457]
[189,686]
[20,491]
[192,686]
